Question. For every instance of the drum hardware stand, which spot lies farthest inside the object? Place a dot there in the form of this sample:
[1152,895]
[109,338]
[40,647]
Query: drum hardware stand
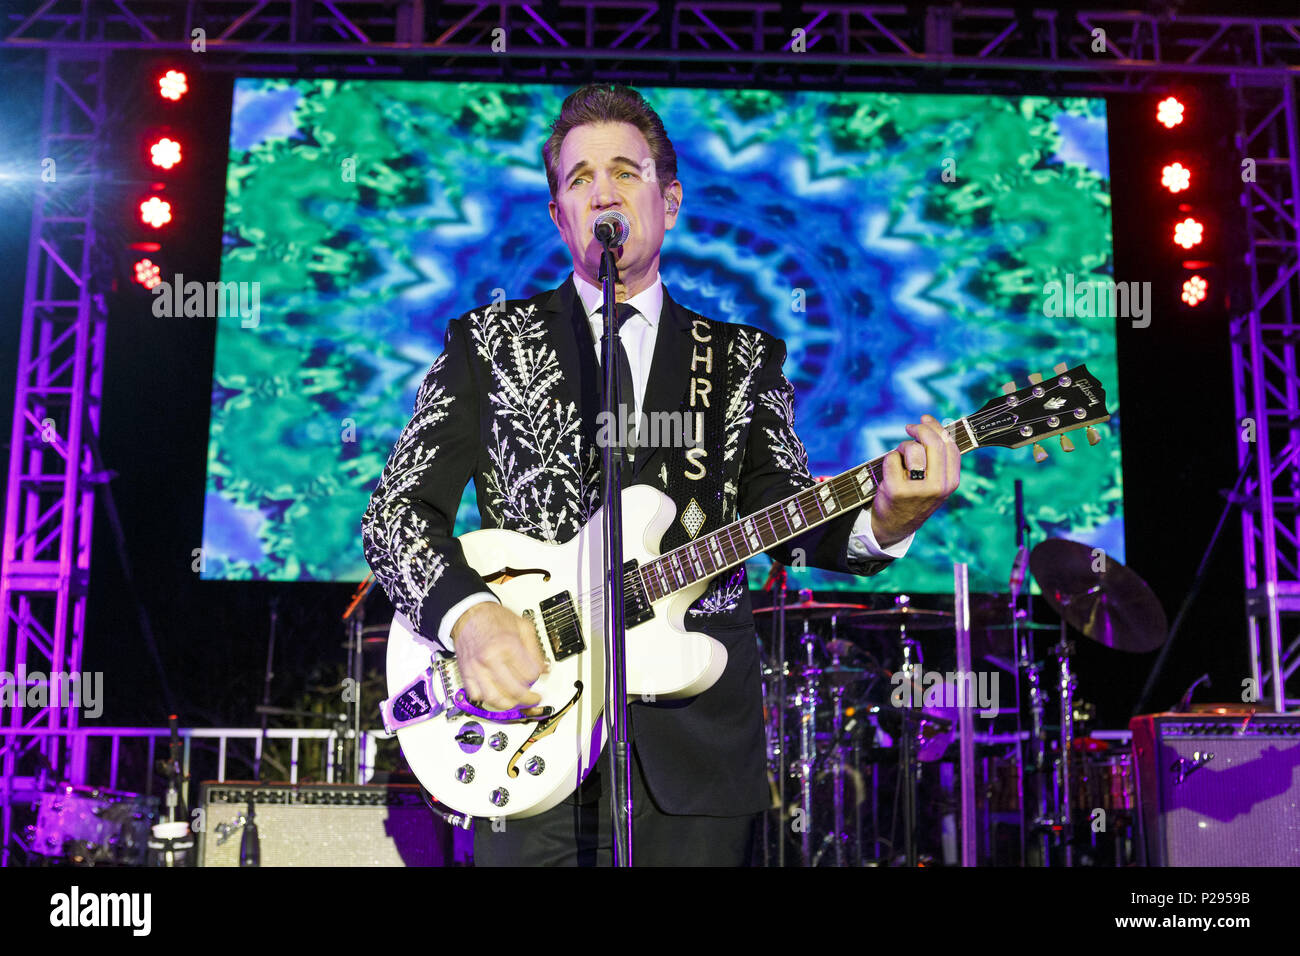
[779,582]
[837,756]
[1066,689]
[807,701]
[1022,642]
[908,768]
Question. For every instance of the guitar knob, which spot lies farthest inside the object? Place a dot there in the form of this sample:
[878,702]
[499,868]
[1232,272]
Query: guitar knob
[1093,435]
[535,765]
[500,797]
[1066,444]
[498,741]
[1040,453]
[465,774]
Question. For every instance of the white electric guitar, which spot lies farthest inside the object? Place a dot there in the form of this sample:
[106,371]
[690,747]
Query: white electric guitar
[499,764]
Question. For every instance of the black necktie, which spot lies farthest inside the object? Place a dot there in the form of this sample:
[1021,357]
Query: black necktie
[626,392]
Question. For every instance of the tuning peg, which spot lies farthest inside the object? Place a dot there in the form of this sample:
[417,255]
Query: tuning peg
[1035,378]
[1066,444]
[1093,436]
[1060,369]
[1040,453]
[1008,387]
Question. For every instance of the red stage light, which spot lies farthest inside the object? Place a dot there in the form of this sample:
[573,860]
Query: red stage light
[1194,290]
[147,273]
[1169,112]
[1188,233]
[155,212]
[1175,177]
[172,85]
[165,153]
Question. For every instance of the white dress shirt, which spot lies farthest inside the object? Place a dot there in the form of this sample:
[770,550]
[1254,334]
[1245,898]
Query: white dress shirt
[638,334]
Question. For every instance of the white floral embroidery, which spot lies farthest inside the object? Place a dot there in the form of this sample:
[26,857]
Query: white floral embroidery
[787,449]
[723,595]
[745,357]
[533,428]
[395,535]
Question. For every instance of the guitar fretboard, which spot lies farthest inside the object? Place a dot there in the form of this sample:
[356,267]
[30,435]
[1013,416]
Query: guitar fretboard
[741,540]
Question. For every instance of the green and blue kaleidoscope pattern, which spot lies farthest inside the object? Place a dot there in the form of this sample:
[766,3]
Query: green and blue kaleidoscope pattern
[899,244]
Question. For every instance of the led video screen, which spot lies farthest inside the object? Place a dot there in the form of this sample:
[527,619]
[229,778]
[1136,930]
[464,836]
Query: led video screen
[922,229]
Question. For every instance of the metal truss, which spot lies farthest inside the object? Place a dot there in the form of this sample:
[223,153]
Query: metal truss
[1264,370]
[49,504]
[705,41]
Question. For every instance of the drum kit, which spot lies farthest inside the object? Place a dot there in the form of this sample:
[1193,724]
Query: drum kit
[851,713]
[89,826]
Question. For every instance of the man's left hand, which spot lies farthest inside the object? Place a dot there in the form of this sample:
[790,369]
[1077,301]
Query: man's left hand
[903,503]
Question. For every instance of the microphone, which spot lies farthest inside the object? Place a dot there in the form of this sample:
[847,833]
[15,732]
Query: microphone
[611,229]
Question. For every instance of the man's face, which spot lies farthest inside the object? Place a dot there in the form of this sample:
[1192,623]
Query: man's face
[608,167]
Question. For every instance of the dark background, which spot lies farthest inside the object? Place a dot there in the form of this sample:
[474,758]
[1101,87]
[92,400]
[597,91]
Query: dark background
[1175,383]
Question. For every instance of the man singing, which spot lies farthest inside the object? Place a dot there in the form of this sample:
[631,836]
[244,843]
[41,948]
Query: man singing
[513,403]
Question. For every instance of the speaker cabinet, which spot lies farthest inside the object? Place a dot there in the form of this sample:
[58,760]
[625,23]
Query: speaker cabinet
[1218,789]
[328,825]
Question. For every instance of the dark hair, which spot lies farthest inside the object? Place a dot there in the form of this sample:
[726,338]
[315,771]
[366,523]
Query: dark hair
[610,103]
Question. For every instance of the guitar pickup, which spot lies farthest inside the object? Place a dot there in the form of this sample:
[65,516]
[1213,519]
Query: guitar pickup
[560,622]
[636,603]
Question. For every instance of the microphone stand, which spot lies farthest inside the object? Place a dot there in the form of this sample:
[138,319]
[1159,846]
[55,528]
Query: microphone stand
[250,846]
[614,621]
[355,619]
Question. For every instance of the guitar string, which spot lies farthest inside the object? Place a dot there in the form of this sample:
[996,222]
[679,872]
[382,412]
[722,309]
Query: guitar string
[594,598]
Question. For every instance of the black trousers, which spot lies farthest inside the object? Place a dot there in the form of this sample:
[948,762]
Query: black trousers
[578,832]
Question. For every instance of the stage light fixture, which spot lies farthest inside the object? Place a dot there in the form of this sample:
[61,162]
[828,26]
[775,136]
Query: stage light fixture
[1194,290]
[147,273]
[155,212]
[165,153]
[1188,233]
[1169,112]
[1175,177]
[172,85]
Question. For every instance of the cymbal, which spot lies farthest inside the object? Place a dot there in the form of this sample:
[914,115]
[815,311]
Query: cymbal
[1113,607]
[892,618]
[813,610]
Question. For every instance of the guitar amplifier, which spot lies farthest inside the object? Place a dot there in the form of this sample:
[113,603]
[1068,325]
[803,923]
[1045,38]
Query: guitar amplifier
[328,825]
[1218,789]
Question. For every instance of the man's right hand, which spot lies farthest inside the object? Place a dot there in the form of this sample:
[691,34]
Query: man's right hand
[499,657]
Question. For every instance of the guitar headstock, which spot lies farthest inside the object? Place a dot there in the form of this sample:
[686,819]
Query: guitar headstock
[1068,400]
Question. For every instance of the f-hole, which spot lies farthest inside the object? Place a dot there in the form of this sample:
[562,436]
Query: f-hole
[508,573]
